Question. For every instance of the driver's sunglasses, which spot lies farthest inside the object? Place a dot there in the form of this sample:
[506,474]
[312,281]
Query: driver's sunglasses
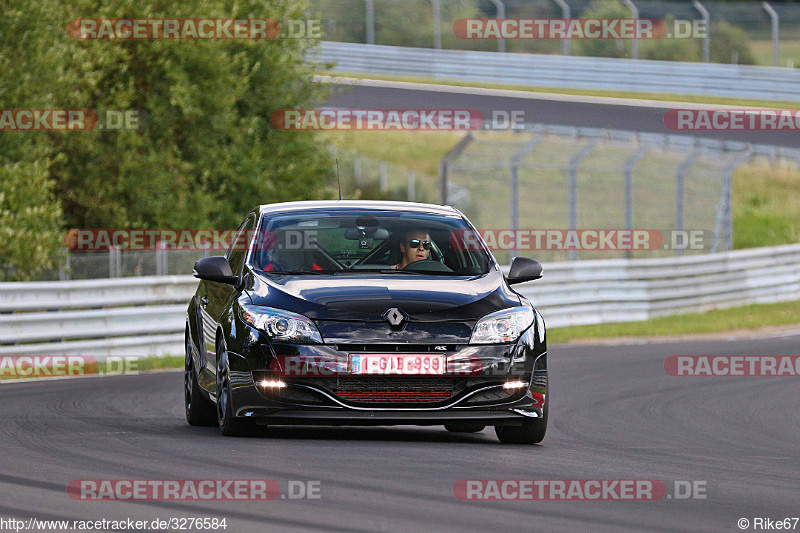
[414,243]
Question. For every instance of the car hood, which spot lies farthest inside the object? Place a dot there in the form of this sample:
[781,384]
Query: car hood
[366,297]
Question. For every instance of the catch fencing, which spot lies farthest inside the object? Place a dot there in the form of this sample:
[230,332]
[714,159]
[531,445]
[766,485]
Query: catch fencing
[568,178]
[758,33]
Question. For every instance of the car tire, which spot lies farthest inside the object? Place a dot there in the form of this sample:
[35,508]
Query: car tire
[465,427]
[229,425]
[531,431]
[199,410]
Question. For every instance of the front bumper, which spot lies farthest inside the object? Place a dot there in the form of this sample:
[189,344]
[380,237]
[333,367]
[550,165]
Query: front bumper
[345,399]
[506,416]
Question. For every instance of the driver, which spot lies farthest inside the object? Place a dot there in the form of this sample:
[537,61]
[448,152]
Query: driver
[415,246]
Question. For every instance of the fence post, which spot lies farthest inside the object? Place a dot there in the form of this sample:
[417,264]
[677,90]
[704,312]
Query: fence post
[724,222]
[412,186]
[728,242]
[680,180]
[704,13]
[445,163]
[628,170]
[161,259]
[357,170]
[773,15]
[565,13]
[437,24]
[382,179]
[370,22]
[113,262]
[634,15]
[573,189]
[516,159]
[501,14]
[64,270]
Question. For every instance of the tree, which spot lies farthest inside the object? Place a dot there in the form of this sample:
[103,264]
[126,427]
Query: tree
[205,151]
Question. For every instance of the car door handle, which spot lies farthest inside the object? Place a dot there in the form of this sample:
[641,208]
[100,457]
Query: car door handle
[204,301]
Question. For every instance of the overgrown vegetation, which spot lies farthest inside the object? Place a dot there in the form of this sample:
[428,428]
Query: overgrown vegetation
[205,151]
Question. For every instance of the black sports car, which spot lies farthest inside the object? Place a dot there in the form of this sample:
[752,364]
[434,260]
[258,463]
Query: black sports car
[364,313]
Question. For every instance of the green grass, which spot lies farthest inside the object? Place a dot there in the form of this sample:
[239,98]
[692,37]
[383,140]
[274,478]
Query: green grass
[766,206]
[750,317]
[787,50]
[416,150]
[161,363]
[585,92]
[105,367]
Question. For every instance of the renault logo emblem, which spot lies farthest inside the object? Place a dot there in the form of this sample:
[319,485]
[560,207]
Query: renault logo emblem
[394,317]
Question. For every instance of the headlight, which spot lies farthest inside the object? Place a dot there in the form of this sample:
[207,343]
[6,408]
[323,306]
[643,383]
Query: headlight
[503,326]
[281,325]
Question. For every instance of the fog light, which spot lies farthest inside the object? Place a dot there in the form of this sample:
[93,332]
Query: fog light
[272,383]
[515,384]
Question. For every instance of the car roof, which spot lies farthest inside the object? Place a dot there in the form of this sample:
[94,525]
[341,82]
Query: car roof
[400,207]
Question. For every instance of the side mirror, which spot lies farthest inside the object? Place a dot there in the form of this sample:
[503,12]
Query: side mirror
[524,269]
[215,268]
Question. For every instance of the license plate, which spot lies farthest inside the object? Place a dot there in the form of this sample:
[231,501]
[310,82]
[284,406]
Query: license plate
[406,364]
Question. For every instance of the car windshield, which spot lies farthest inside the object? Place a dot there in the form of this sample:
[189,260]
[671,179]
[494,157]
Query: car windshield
[353,241]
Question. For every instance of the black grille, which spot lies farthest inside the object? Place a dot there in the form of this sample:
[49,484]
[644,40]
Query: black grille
[400,384]
[386,389]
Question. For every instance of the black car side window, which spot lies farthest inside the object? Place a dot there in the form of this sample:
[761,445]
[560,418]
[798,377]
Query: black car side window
[241,242]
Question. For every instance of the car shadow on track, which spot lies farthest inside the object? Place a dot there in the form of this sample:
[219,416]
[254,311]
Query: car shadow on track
[355,433]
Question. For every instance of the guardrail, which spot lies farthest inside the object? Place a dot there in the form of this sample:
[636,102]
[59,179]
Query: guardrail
[145,316]
[637,75]
[100,317]
[594,292]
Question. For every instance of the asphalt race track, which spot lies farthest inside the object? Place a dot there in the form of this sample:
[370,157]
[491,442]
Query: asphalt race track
[615,414]
[545,109]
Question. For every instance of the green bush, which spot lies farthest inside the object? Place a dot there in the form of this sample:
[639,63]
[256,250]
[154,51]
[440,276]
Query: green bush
[668,49]
[30,220]
[724,39]
[604,47]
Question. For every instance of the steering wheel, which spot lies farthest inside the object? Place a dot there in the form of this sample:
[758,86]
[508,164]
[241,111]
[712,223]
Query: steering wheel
[427,265]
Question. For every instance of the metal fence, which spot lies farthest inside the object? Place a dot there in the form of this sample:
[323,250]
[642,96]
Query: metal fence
[740,32]
[146,316]
[123,264]
[567,178]
[367,177]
